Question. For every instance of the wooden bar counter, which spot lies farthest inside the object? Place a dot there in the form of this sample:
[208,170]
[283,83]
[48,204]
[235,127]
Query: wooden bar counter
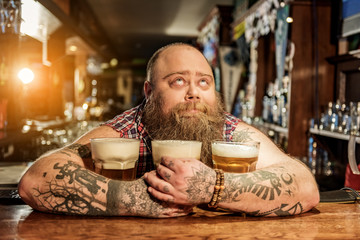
[326,221]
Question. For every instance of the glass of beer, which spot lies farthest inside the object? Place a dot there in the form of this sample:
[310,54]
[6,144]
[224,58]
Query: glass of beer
[235,157]
[115,158]
[176,149]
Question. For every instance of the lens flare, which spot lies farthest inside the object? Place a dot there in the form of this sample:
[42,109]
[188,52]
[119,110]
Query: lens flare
[26,75]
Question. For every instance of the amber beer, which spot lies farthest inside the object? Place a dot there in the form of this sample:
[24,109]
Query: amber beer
[115,172]
[115,158]
[235,157]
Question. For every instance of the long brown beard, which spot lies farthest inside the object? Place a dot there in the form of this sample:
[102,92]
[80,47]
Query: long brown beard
[206,125]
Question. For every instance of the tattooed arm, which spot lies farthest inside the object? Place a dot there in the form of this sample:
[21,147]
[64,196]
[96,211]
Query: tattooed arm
[59,182]
[279,186]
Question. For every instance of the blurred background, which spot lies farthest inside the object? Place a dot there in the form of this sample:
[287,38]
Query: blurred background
[289,67]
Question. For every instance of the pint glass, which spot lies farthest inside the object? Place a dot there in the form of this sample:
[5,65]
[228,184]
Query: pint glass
[115,158]
[235,157]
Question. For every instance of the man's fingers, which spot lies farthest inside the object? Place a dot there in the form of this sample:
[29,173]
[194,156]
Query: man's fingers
[161,195]
[175,164]
[158,184]
[164,172]
[169,162]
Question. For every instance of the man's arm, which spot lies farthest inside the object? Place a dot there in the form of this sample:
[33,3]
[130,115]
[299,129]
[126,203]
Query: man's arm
[59,182]
[280,186]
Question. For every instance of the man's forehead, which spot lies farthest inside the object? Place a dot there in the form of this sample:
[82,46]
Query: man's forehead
[183,59]
[180,50]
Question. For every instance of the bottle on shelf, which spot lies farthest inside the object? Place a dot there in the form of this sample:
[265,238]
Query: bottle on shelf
[334,117]
[275,104]
[284,102]
[340,118]
[355,118]
[327,117]
[344,121]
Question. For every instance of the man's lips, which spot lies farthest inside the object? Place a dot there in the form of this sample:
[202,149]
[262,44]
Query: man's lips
[191,109]
[190,112]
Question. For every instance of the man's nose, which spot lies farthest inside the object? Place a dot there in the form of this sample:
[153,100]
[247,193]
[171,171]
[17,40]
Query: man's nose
[192,93]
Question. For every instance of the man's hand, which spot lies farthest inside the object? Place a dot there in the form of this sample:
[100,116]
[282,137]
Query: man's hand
[136,201]
[182,181]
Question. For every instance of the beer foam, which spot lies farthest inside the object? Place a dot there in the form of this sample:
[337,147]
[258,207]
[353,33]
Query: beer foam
[234,150]
[176,149]
[115,149]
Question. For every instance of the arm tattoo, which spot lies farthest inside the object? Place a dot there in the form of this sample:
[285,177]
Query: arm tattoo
[198,186]
[73,191]
[135,200]
[242,135]
[265,185]
[81,150]
[74,173]
[283,210]
[76,190]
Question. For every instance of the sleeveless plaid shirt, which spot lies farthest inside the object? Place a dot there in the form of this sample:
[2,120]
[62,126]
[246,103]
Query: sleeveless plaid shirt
[129,125]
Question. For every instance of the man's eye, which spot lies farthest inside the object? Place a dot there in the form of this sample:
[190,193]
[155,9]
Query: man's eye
[203,83]
[179,82]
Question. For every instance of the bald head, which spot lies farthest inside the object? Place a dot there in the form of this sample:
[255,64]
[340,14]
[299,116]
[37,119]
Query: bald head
[150,70]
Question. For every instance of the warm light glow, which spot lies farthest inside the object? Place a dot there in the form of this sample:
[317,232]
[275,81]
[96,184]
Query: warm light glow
[289,19]
[73,48]
[113,62]
[105,65]
[26,75]
[85,106]
[26,128]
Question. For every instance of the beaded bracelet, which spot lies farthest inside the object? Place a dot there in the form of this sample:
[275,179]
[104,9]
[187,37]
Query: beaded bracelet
[219,187]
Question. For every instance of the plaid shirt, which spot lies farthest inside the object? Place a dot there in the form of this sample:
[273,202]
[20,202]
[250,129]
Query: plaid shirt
[129,125]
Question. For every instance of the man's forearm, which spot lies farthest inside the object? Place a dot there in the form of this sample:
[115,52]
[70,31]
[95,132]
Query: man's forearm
[66,187]
[69,188]
[76,190]
[267,192]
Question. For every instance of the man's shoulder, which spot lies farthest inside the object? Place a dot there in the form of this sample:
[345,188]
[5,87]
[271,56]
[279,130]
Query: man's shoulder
[124,120]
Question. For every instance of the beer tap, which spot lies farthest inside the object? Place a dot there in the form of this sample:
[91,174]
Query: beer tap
[355,121]
[351,155]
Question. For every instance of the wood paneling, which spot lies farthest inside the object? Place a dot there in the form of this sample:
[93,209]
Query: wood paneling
[266,69]
[306,99]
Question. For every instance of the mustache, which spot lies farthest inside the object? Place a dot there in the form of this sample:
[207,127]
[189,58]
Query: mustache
[188,106]
[204,112]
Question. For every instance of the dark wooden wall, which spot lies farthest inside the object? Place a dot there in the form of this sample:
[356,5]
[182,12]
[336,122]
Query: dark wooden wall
[306,99]
[266,69]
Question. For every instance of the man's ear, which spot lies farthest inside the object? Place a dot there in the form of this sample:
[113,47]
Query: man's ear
[147,89]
